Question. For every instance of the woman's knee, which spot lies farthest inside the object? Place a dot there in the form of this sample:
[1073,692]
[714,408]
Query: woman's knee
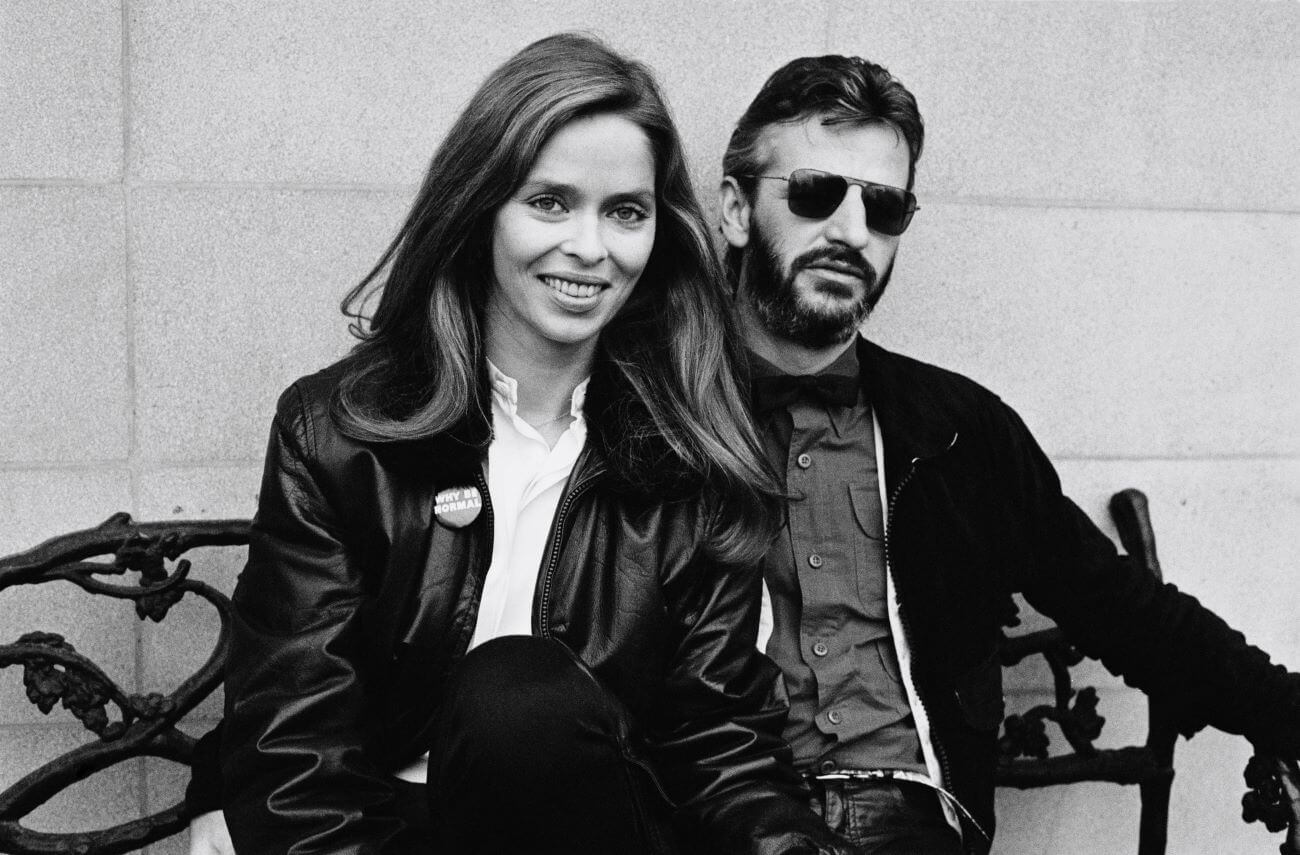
[525,694]
[526,722]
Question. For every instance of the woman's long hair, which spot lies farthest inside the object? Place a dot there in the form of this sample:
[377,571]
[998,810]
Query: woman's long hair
[418,368]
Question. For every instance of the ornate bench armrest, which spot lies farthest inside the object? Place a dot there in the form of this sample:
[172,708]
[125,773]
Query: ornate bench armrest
[127,725]
[1274,798]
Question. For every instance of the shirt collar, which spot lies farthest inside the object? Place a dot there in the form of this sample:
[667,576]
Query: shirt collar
[505,391]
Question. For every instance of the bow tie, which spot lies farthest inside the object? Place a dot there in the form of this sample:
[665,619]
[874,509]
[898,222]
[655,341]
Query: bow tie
[783,390]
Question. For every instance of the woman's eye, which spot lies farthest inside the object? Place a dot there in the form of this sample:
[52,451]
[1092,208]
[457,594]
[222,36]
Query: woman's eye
[630,214]
[547,204]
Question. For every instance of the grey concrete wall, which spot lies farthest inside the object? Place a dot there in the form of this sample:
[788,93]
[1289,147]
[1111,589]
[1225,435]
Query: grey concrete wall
[1109,237]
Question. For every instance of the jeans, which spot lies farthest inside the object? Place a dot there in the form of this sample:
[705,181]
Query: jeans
[886,817]
[533,756]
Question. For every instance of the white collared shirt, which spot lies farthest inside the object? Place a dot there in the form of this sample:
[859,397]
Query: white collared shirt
[526,479]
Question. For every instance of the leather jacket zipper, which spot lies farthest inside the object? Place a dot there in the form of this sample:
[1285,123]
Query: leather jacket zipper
[544,602]
[467,633]
[945,770]
[553,552]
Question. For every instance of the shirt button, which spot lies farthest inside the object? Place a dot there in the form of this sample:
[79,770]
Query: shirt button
[804,461]
[815,561]
[821,649]
[826,766]
[834,717]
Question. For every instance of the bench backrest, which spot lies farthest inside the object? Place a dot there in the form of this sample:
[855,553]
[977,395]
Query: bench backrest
[129,725]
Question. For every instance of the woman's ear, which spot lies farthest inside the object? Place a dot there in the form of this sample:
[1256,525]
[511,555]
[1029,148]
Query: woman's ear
[735,211]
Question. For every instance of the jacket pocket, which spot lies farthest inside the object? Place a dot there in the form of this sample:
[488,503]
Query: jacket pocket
[979,695]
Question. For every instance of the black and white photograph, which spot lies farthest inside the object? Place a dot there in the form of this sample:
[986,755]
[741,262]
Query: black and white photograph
[612,428]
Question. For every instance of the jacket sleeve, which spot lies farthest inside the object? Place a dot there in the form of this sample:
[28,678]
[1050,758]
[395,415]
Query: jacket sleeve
[1156,637]
[296,776]
[721,756]
[203,793]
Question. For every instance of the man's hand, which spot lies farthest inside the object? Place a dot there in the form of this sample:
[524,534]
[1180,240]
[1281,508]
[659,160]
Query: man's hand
[209,835]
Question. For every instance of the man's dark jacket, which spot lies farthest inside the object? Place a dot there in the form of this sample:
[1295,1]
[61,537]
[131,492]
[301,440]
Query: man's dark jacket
[356,603]
[975,513]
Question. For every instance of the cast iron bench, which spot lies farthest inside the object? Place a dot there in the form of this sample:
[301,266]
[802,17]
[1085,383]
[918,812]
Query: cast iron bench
[128,726]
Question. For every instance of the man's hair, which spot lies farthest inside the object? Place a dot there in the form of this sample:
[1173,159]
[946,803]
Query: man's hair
[419,367]
[838,89]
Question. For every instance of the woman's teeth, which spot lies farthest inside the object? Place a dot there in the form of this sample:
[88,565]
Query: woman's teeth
[571,289]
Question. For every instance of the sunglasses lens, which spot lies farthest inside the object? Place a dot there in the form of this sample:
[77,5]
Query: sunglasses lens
[815,194]
[889,209]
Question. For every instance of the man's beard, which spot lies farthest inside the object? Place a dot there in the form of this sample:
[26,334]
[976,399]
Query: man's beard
[785,313]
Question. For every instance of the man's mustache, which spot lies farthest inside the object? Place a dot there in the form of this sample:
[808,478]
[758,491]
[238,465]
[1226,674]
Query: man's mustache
[840,258]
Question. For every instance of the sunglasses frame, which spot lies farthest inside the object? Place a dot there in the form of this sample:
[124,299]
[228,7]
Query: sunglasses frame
[909,198]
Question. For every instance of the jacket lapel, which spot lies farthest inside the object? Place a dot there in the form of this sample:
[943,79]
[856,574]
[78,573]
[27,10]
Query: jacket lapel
[915,424]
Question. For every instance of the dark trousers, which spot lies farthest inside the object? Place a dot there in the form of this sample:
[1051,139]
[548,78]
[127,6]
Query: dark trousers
[886,817]
[533,755]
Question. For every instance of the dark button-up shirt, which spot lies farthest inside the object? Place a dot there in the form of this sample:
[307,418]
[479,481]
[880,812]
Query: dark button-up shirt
[826,578]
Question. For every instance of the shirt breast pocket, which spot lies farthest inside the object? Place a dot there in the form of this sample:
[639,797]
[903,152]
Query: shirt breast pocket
[869,549]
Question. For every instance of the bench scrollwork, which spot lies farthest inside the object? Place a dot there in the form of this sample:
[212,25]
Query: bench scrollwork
[1024,760]
[127,725]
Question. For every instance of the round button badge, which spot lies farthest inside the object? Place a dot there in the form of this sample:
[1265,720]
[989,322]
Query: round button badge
[457,507]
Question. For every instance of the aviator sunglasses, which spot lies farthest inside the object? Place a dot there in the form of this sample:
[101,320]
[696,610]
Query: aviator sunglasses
[816,194]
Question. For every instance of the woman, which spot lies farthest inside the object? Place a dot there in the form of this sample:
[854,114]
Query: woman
[536,454]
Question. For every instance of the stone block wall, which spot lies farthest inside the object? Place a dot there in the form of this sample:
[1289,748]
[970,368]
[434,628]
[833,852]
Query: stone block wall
[1109,238]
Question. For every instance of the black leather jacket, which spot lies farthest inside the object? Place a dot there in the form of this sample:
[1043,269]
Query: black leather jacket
[356,603]
[976,513]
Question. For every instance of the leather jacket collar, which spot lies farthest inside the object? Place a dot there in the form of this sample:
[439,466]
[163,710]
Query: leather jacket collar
[916,424]
[615,418]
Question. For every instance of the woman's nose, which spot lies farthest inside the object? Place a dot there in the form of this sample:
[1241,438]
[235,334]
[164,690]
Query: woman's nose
[586,242]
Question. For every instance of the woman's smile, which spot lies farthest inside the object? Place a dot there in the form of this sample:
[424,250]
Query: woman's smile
[577,291]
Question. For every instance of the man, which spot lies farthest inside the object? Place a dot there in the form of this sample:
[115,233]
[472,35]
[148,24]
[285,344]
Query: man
[920,502]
